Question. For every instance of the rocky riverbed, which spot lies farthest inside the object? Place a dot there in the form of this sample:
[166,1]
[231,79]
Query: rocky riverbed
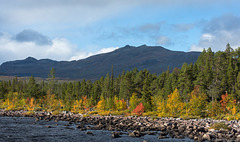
[139,127]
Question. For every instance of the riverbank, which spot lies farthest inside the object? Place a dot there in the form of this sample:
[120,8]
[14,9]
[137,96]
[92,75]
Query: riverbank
[195,129]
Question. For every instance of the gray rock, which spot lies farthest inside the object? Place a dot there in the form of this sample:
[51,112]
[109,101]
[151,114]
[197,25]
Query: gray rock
[206,137]
[163,133]
[238,138]
[220,140]
[162,137]
[89,133]
[115,135]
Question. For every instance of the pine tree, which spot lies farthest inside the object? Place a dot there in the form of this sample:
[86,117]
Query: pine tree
[126,87]
[175,77]
[32,89]
[237,86]
[69,96]
[106,89]
[83,88]
[168,85]
[52,80]
[230,76]
[199,67]
[96,92]
[147,96]
[219,84]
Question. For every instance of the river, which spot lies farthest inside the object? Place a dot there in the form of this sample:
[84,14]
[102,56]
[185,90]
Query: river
[26,129]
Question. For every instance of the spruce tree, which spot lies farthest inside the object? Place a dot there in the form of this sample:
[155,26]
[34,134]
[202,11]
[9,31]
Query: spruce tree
[147,96]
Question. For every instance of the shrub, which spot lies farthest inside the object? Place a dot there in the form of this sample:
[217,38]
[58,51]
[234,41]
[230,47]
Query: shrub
[118,113]
[150,113]
[29,113]
[92,112]
[56,112]
[104,113]
[219,125]
[86,115]
[139,109]
[229,117]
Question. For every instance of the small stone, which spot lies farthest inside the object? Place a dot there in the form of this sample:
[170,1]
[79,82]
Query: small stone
[220,140]
[131,134]
[150,133]
[89,133]
[163,133]
[162,137]
[190,136]
[211,130]
[115,135]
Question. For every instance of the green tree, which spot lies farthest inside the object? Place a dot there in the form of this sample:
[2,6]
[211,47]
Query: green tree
[52,80]
[174,104]
[230,76]
[126,86]
[185,81]
[32,88]
[197,103]
[237,86]
[147,95]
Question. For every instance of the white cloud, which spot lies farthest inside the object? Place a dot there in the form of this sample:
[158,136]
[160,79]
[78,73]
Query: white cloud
[163,40]
[59,49]
[10,49]
[59,12]
[218,32]
[106,50]
[196,48]
[75,12]
[82,55]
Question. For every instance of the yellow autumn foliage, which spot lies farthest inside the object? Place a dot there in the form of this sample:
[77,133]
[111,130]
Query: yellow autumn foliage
[101,105]
[174,104]
[30,105]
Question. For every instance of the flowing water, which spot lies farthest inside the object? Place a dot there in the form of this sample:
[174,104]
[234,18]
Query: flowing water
[25,129]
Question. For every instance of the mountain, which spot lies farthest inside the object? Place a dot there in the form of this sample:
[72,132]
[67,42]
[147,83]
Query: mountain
[154,58]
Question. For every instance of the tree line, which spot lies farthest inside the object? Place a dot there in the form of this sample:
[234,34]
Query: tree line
[208,88]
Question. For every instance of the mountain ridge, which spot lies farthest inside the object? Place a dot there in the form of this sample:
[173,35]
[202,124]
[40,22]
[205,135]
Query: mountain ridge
[154,58]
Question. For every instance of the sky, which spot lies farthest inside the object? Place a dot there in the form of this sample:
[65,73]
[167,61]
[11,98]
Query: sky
[75,29]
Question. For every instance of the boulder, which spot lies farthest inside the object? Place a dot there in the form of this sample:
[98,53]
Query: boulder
[238,138]
[206,137]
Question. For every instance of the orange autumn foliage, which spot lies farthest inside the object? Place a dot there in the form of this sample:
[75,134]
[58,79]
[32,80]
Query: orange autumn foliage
[139,109]
[224,101]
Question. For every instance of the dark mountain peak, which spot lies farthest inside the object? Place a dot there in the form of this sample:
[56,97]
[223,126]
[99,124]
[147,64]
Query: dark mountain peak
[30,59]
[144,45]
[127,46]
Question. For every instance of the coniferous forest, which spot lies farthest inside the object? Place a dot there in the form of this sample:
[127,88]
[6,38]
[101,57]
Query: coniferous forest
[208,88]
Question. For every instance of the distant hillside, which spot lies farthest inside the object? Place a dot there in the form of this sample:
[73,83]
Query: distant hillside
[154,58]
